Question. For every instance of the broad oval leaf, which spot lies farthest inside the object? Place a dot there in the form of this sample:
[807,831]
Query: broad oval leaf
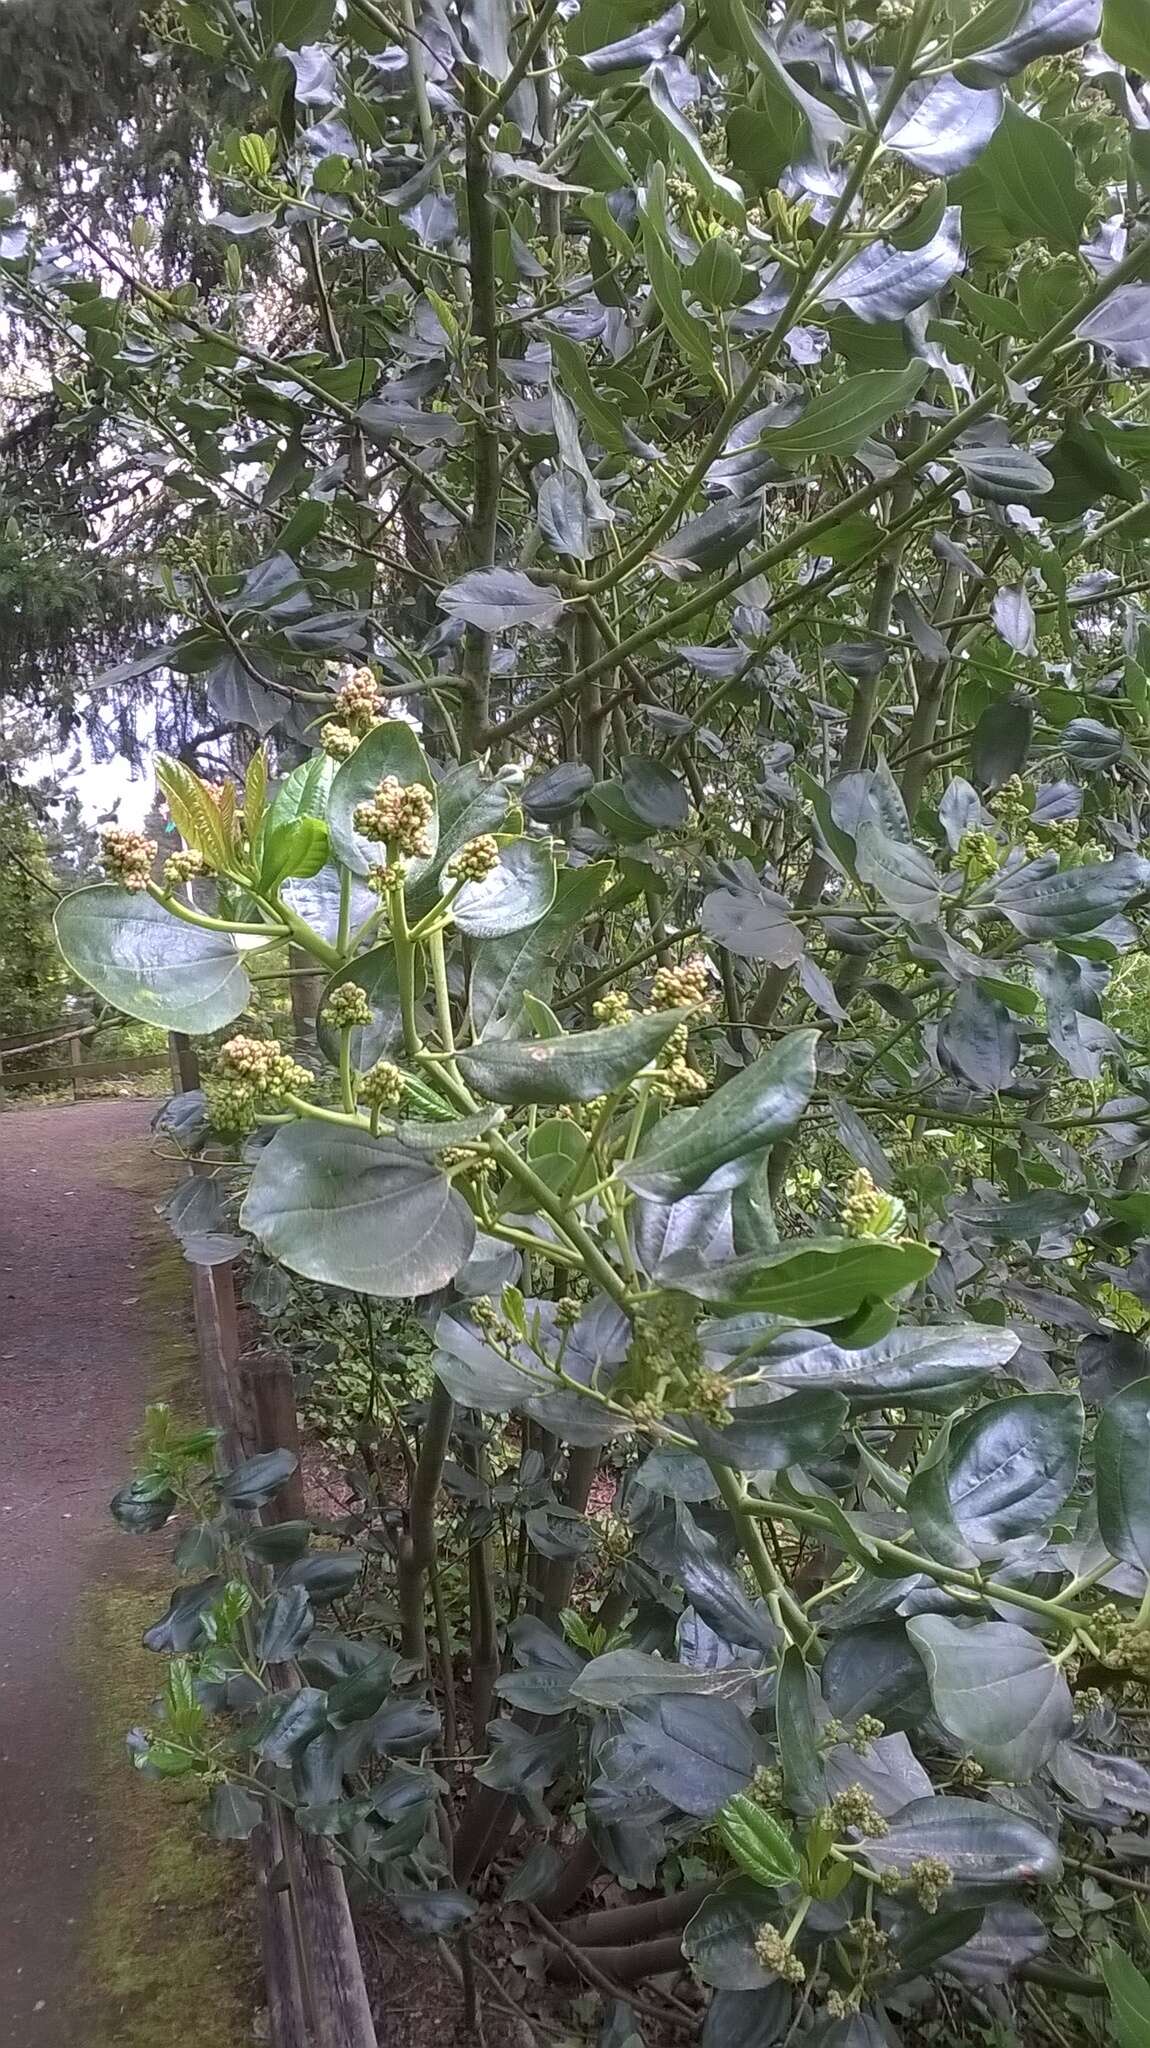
[928,1368]
[814,1280]
[1044,901]
[519,891]
[579,1067]
[698,1752]
[495,600]
[885,282]
[985,1845]
[653,793]
[770,1436]
[746,1114]
[719,1943]
[941,126]
[150,964]
[349,1210]
[1122,1474]
[837,420]
[389,749]
[996,1689]
[1012,1465]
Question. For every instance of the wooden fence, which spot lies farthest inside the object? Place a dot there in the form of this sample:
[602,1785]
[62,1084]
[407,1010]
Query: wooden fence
[72,1062]
[313,1974]
[312,1970]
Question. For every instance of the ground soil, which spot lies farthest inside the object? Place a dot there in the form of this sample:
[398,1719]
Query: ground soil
[87,1335]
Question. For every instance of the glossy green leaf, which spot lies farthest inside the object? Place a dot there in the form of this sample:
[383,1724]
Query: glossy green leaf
[576,1068]
[758,1843]
[747,1113]
[928,1368]
[1043,901]
[504,970]
[513,897]
[150,964]
[796,1729]
[886,282]
[697,1752]
[720,194]
[348,1210]
[389,749]
[996,1689]
[1129,1999]
[1122,1474]
[719,1942]
[689,334]
[748,2019]
[986,1846]
[654,793]
[1034,176]
[839,419]
[769,1436]
[814,1280]
[496,600]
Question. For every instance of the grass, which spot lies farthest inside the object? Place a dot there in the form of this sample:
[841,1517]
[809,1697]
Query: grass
[169,1952]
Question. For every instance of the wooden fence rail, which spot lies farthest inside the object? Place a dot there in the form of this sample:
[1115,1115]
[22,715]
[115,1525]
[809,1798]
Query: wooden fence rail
[316,1994]
[313,1973]
[74,1067]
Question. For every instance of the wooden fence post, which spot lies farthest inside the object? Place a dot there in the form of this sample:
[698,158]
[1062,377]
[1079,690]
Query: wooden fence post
[269,1422]
[185,1062]
[217,1334]
[316,1993]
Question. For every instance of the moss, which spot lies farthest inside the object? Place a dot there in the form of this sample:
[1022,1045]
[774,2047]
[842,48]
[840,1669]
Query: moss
[169,1952]
[168,1946]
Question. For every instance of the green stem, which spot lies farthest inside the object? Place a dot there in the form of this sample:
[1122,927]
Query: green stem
[319,1114]
[308,940]
[911,1561]
[404,964]
[669,625]
[741,398]
[346,1072]
[788,1617]
[344,925]
[201,918]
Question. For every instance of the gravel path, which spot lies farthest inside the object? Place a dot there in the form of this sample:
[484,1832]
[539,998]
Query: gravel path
[76,1221]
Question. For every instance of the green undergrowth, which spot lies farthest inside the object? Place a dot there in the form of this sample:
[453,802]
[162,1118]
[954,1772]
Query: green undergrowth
[170,1926]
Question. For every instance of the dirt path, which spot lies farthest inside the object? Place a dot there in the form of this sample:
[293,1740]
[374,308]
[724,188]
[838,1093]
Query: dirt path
[78,1334]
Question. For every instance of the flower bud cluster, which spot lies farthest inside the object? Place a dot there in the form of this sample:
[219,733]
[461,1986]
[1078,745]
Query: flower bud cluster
[612,1008]
[665,1372]
[855,1808]
[774,1955]
[181,867]
[264,1065]
[338,740]
[250,1073]
[867,1212]
[384,876]
[1012,803]
[382,1087]
[399,814]
[475,861]
[128,857]
[685,987]
[929,1878]
[360,704]
[979,855]
[347,1005]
